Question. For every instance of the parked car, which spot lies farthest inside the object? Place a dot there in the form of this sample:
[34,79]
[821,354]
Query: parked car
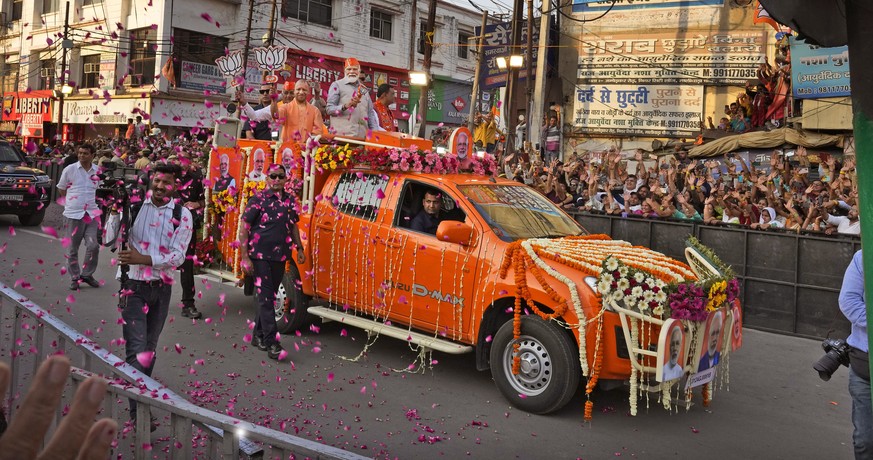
[24,191]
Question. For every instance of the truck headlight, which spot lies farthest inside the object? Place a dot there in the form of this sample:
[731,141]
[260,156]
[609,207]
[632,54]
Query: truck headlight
[592,283]
[43,179]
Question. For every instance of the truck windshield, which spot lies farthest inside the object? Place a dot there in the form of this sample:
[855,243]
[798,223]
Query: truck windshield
[516,212]
[8,154]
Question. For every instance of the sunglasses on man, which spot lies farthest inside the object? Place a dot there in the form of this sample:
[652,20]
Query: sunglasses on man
[264,91]
[277,176]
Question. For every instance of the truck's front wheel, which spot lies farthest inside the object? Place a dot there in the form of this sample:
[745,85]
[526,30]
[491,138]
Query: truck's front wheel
[549,371]
[291,303]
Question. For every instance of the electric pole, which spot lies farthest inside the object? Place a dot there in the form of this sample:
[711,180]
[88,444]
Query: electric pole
[536,116]
[474,99]
[428,54]
[530,75]
[412,36]
[271,31]
[512,73]
[65,44]
[245,64]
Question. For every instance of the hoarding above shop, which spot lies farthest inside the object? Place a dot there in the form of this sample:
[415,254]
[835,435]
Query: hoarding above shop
[638,110]
[699,57]
[818,72]
[100,112]
[28,103]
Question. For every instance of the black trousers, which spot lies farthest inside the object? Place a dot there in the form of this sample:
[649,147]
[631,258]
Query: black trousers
[268,277]
[186,272]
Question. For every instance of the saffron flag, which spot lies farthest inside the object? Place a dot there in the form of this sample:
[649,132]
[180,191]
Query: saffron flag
[763,17]
[168,72]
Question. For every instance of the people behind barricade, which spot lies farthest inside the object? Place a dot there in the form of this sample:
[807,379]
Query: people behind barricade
[788,193]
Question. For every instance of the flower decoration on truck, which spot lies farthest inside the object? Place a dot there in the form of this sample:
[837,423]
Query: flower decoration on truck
[330,157]
[335,156]
[630,277]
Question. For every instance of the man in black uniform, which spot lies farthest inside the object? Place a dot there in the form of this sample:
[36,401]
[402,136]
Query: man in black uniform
[269,224]
[261,130]
[428,219]
[192,196]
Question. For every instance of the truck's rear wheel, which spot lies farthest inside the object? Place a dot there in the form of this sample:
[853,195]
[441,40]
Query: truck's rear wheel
[32,220]
[291,303]
[549,373]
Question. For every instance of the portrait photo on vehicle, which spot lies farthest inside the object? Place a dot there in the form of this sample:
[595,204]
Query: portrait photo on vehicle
[736,328]
[710,344]
[672,351]
[225,168]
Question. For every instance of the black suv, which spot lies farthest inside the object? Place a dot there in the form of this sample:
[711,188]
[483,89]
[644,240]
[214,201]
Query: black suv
[24,191]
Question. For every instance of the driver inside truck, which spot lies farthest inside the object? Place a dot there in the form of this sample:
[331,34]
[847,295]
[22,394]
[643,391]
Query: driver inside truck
[428,219]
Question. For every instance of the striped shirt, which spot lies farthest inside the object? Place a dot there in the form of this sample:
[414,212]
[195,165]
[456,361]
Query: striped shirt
[153,235]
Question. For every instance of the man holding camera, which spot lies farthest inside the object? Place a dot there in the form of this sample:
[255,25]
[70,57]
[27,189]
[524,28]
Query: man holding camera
[78,185]
[160,230]
[854,307]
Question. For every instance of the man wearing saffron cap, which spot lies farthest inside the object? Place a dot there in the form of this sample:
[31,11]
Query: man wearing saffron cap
[349,106]
[287,93]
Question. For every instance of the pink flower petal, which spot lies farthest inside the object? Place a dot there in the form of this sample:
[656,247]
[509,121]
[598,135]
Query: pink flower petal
[145,358]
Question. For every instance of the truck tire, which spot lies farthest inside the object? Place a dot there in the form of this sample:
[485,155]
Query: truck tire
[291,303]
[32,220]
[550,371]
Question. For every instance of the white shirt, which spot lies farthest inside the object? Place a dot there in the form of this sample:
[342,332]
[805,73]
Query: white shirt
[81,187]
[844,225]
[672,372]
[152,234]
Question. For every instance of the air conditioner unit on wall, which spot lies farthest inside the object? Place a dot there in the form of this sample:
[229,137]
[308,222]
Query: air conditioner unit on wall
[47,73]
[133,80]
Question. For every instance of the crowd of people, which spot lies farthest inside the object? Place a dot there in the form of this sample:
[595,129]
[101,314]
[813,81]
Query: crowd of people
[791,192]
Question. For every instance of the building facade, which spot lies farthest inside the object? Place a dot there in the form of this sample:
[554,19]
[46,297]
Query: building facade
[157,59]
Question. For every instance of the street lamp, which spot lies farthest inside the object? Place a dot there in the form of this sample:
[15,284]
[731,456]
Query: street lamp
[515,61]
[66,90]
[417,78]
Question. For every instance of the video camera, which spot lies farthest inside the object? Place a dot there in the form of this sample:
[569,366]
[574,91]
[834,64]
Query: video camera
[113,190]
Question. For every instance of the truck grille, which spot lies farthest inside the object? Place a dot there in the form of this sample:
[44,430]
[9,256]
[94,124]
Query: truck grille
[17,183]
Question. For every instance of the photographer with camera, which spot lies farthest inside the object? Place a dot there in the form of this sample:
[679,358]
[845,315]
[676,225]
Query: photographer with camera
[192,196]
[78,186]
[854,307]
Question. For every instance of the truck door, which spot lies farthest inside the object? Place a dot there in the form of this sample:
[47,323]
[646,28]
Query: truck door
[345,245]
[435,282]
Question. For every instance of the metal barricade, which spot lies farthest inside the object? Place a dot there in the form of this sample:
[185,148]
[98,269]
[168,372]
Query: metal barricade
[790,282]
[33,333]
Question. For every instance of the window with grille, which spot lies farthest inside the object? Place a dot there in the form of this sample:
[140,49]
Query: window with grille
[313,11]
[380,24]
[143,43]
[17,6]
[194,47]
[422,37]
[10,77]
[47,74]
[90,71]
[463,44]
[49,6]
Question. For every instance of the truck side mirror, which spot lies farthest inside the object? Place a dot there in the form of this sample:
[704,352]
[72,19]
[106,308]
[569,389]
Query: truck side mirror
[456,232]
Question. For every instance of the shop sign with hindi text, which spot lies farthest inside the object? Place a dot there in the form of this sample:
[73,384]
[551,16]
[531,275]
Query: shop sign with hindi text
[638,110]
[697,57]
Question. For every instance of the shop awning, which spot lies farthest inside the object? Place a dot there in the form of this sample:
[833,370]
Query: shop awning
[767,139]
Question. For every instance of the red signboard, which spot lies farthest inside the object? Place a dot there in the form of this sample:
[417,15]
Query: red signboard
[324,70]
[35,107]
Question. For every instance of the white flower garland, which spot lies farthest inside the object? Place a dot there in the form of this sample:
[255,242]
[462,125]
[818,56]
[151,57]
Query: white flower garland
[634,378]
[574,296]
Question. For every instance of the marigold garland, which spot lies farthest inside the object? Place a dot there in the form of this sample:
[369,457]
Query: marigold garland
[595,372]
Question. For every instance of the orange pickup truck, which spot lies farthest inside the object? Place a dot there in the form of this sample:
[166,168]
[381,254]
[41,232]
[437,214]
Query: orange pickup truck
[508,276]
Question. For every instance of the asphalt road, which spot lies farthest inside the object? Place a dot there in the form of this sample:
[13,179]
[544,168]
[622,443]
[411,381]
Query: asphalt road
[774,407]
